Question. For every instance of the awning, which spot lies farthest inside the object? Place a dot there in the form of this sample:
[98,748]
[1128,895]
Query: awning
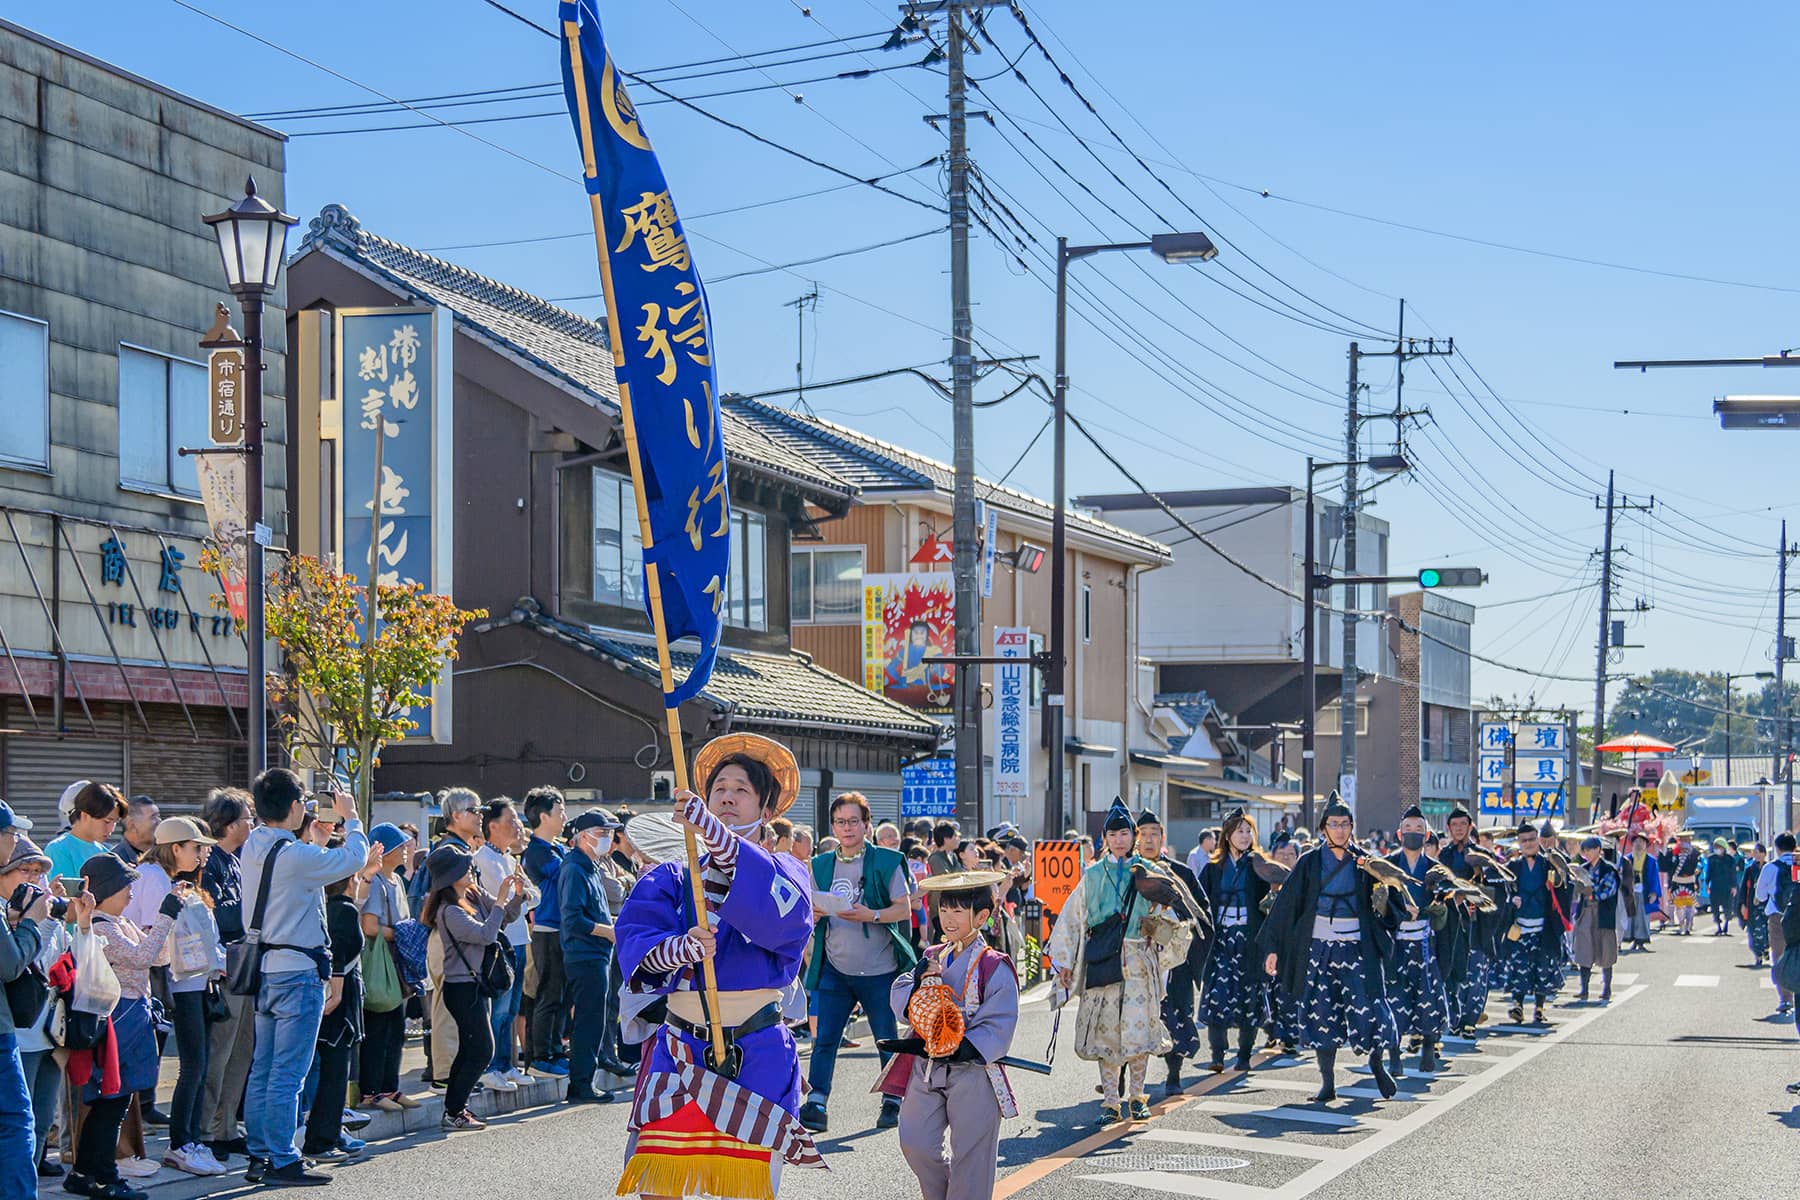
[1075,746]
[1165,761]
[1238,792]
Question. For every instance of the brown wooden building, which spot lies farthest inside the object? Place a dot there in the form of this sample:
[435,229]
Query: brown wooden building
[558,685]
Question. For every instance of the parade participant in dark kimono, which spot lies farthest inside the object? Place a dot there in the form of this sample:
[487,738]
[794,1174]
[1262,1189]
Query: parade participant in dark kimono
[698,1126]
[1415,986]
[1235,991]
[1178,1002]
[1534,966]
[1283,1023]
[1325,943]
[1749,911]
[1469,945]
[1596,939]
[962,1005]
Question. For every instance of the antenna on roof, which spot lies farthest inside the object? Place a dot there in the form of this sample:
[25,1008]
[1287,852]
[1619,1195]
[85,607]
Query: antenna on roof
[800,306]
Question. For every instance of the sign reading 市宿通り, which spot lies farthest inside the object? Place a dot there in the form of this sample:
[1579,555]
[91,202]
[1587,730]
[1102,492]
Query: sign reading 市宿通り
[143,589]
[395,383]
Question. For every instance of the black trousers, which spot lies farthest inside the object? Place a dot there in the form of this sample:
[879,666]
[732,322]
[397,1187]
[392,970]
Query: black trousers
[474,1044]
[192,1041]
[325,1123]
[384,1038]
[94,1153]
[588,985]
[550,1006]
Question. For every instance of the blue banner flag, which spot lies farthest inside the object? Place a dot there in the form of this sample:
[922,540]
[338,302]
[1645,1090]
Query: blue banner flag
[662,350]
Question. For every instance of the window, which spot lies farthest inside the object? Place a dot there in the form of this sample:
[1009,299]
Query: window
[826,586]
[24,391]
[1329,722]
[746,598]
[1087,613]
[618,548]
[162,407]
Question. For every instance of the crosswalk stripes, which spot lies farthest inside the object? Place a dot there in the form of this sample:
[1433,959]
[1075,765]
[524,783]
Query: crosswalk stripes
[1697,981]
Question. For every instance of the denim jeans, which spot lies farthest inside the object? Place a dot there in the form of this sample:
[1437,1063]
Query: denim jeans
[505,1009]
[288,1008]
[44,1078]
[18,1163]
[837,994]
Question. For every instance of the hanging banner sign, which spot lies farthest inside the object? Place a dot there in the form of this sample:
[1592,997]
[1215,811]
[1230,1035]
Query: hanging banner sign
[225,395]
[1012,748]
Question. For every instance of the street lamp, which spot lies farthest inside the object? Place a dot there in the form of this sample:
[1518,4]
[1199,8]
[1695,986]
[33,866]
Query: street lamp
[1171,248]
[1729,676]
[252,244]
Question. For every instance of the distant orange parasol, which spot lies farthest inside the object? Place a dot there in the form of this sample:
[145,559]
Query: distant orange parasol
[1635,743]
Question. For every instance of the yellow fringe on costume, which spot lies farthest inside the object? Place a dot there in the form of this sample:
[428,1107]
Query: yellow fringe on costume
[693,1175]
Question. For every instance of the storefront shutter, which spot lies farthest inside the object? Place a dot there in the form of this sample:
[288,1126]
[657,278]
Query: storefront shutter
[39,767]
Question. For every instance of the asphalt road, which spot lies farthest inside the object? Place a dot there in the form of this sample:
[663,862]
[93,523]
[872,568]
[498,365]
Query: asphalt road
[1676,1090]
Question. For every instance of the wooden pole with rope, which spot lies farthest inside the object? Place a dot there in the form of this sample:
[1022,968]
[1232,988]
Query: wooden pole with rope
[652,581]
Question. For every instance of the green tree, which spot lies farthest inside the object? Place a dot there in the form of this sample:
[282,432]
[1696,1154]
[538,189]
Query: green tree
[339,688]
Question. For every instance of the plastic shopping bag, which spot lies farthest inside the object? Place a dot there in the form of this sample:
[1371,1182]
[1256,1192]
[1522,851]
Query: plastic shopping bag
[96,984]
[196,941]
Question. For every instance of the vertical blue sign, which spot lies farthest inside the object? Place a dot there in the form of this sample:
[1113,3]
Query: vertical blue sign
[395,384]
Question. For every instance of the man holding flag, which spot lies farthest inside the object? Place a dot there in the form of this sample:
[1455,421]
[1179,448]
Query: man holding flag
[714,1109]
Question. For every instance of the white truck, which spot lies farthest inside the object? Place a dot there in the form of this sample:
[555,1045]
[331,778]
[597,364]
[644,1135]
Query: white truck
[1744,814]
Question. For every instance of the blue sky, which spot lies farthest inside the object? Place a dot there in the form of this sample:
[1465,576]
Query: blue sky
[1635,135]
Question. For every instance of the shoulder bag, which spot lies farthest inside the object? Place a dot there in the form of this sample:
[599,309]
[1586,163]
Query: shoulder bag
[243,960]
[495,978]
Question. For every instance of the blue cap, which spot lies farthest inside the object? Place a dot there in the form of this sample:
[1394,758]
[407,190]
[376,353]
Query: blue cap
[11,821]
[390,837]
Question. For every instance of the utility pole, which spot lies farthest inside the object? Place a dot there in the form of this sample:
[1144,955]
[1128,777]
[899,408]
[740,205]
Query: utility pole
[1783,745]
[801,305]
[1402,351]
[1613,506]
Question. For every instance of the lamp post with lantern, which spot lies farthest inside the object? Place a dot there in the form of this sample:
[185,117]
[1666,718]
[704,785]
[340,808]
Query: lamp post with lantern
[252,238]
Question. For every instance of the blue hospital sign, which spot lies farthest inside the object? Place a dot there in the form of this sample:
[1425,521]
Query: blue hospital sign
[394,384]
[1012,691]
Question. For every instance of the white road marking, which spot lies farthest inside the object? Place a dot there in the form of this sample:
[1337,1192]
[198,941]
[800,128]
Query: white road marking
[1283,1112]
[1625,978]
[1381,1134]
[1700,981]
[1231,1141]
[1301,1085]
[1768,985]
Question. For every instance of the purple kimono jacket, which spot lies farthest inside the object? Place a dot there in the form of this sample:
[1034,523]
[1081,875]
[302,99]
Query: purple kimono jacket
[763,926]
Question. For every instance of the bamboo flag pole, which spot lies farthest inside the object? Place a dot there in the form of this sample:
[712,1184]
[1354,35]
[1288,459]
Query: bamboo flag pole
[709,971]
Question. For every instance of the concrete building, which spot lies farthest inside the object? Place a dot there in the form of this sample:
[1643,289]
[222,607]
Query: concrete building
[114,664]
[901,524]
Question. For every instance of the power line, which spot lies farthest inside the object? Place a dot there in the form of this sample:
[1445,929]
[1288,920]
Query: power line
[804,262]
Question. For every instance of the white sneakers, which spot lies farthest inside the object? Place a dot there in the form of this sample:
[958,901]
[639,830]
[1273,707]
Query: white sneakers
[494,1081]
[195,1159]
[517,1076]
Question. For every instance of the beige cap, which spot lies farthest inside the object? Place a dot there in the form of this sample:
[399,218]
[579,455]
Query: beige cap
[171,830]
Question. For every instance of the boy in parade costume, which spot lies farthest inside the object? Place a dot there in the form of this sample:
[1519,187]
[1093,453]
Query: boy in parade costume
[1596,940]
[1469,945]
[1235,991]
[1535,965]
[1325,943]
[1415,985]
[1113,946]
[962,1003]
[699,1126]
[1178,1000]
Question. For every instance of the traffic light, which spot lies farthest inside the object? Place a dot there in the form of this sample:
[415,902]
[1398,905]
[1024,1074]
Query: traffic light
[1443,577]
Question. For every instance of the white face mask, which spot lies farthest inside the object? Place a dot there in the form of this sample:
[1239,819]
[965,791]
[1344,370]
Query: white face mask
[747,831]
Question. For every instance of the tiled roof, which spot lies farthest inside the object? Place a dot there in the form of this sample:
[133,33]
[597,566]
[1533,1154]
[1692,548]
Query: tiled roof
[1192,707]
[776,691]
[874,466]
[566,345]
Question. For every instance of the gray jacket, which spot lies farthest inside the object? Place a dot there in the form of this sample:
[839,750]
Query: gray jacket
[19,947]
[466,938]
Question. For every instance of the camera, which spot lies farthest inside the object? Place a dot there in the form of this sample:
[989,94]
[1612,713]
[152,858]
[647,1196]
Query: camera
[26,894]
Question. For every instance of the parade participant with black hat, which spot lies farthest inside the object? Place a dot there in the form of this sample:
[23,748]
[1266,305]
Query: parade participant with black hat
[701,1125]
[1325,942]
[1596,940]
[962,1004]
[1178,1001]
[1468,947]
[1113,945]
[1415,985]
[1235,992]
[1534,964]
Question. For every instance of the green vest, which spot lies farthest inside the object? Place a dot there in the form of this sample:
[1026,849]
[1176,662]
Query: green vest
[879,865]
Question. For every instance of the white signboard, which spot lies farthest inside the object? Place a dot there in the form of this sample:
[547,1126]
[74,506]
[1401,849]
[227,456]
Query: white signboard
[1538,768]
[1543,739]
[1494,736]
[1012,700]
[1492,769]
